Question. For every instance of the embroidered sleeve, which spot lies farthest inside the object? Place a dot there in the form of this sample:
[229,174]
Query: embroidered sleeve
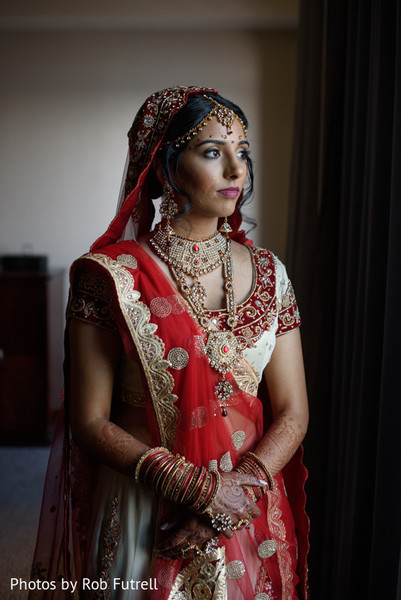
[287,309]
[91,301]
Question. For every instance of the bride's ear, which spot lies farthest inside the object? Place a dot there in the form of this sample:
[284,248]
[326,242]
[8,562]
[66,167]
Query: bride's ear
[158,169]
[156,179]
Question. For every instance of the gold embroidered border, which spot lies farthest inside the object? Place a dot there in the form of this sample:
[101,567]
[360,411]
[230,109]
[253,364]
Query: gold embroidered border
[258,312]
[277,528]
[91,301]
[245,377]
[202,579]
[110,537]
[149,346]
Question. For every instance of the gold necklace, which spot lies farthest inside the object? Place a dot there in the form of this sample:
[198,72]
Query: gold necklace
[196,258]
[193,257]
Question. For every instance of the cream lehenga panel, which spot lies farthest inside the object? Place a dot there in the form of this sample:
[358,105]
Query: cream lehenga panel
[121,536]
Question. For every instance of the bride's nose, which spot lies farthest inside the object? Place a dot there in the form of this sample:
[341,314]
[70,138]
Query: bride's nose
[235,167]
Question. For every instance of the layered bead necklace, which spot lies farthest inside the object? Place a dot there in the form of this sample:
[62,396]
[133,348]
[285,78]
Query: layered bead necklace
[195,258]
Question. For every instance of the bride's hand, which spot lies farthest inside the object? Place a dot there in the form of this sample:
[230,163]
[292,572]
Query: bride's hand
[184,532]
[233,502]
[191,529]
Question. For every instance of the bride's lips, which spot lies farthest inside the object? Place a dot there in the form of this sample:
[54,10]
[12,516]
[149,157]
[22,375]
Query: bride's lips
[231,192]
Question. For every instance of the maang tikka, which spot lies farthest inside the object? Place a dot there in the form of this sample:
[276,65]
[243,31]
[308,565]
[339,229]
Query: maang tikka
[224,115]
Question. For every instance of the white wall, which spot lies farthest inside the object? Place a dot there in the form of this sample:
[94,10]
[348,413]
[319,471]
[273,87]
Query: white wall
[67,100]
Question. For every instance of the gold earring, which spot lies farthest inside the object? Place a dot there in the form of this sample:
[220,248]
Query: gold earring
[225,228]
[168,208]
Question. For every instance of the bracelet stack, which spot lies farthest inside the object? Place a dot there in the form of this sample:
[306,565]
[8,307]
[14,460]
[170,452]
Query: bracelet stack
[252,465]
[178,480]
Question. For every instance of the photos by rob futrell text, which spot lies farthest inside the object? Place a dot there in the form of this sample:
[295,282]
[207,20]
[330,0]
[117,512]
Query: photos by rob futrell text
[17,583]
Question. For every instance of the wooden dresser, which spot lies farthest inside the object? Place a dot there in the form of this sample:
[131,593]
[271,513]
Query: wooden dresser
[31,354]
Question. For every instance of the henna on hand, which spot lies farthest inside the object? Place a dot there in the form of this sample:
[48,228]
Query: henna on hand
[233,501]
[116,447]
[193,530]
[280,443]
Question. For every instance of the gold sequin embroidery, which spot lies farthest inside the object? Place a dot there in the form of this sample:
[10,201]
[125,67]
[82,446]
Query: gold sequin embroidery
[238,439]
[213,465]
[177,304]
[203,579]
[108,544]
[246,377]
[277,528]
[267,548]
[178,358]
[160,307]
[235,569]
[127,260]
[165,577]
[199,417]
[200,347]
[91,301]
[225,463]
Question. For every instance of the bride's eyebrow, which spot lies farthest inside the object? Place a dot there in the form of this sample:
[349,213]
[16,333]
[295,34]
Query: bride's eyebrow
[220,142]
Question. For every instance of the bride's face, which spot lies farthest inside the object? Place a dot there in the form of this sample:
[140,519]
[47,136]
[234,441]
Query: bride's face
[212,170]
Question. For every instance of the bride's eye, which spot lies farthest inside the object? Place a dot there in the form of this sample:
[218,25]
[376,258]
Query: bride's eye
[212,153]
[243,154]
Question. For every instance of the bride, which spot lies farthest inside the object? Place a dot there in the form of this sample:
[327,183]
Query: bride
[185,400]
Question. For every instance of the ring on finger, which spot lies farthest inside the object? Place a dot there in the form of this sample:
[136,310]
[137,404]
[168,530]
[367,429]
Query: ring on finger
[240,524]
[188,547]
[249,518]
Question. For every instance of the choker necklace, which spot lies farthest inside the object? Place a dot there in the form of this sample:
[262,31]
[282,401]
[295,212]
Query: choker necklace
[195,258]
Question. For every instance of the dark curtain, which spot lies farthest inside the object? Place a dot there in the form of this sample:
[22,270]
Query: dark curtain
[344,256]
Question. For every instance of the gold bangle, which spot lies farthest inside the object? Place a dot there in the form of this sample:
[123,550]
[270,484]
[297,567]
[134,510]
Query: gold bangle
[143,457]
[192,486]
[170,476]
[251,492]
[250,467]
[215,492]
[261,464]
[176,488]
[163,472]
[206,488]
